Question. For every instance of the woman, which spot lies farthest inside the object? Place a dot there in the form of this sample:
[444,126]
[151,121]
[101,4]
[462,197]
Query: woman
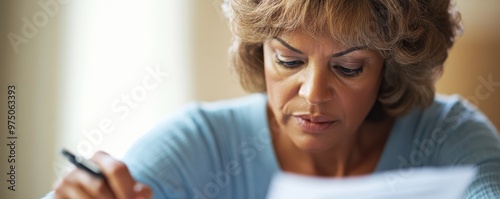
[346,89]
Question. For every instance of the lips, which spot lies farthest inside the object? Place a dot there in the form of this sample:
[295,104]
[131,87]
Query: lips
[314,124]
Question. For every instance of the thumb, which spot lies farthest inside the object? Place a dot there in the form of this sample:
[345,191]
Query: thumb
[142,191]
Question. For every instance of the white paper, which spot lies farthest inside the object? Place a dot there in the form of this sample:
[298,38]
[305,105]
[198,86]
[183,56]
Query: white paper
[422,183]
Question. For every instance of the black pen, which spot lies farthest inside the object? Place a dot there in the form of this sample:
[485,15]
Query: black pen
[83,164]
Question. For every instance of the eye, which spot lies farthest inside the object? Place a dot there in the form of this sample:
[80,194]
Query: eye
[289,64]
[348,72]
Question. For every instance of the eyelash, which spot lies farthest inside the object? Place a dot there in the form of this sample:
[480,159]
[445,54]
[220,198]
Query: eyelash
[289,64]
[347,72]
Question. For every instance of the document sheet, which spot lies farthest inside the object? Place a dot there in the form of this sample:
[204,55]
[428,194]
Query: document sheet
[421,183]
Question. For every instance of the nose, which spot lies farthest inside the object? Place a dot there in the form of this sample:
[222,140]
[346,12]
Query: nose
[316,87]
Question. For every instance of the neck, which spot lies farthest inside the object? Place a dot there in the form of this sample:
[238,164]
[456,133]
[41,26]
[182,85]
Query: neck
[357,155]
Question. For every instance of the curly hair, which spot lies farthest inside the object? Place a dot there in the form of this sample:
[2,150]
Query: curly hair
[413,36]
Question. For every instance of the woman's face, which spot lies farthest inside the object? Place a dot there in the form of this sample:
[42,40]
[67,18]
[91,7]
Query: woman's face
[319,92]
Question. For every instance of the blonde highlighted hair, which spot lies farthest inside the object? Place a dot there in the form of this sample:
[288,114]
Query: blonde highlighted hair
[413,36]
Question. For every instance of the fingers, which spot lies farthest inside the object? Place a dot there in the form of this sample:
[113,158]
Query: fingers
[117,174]
[118,184]
[142,191]
[98,188]
[69,187]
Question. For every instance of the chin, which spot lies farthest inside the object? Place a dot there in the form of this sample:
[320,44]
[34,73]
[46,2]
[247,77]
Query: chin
[313,145]
[316,142]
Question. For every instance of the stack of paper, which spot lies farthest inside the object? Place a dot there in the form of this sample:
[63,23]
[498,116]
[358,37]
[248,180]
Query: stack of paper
[423,183]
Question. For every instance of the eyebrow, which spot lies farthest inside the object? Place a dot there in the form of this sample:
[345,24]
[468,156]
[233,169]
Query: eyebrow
[342,53]
[348,51]
[288,45]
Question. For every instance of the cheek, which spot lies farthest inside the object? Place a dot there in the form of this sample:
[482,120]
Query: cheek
[358,98]
[280,87]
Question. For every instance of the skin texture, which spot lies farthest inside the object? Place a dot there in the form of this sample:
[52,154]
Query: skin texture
[315,79]
[119,185]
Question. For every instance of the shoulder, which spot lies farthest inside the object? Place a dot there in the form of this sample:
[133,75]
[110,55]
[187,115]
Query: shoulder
[450,131]
[458,114]
[450,114]
[204,124]
[247,106]
[203,115]
[192,143]
[243,108]
[468,138]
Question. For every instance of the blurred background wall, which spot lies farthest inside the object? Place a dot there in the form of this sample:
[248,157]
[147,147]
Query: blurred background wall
[473,67]
[94,75]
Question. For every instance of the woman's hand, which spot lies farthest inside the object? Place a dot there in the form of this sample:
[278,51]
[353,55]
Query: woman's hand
[119,184]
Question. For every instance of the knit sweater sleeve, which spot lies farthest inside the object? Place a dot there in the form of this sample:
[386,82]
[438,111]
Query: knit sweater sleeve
[470,139]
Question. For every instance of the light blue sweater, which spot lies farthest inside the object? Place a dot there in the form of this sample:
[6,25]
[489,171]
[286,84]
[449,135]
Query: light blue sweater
[224,149]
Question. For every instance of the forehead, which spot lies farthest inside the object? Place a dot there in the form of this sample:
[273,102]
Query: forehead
[306,40]
[302,35]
